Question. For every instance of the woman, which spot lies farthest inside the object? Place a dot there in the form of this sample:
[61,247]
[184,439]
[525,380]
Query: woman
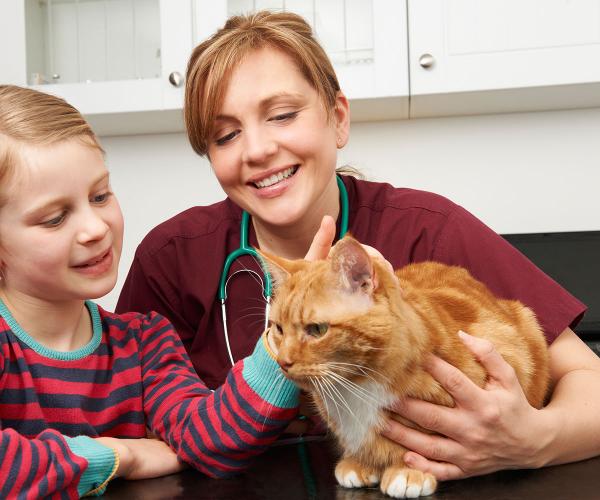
[263,103]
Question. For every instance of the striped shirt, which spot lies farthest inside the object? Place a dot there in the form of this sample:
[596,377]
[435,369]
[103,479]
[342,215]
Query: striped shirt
[134,374]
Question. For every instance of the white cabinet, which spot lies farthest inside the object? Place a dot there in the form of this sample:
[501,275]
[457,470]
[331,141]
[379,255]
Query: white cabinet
[365,39]
[503,55]
[112,59]
[394,58]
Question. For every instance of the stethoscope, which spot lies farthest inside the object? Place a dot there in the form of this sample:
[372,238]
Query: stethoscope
[266,284]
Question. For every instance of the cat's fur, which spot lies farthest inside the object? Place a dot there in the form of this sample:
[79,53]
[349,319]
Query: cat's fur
[379,331]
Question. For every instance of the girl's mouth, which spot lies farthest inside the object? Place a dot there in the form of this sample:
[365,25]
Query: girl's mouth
[97,266]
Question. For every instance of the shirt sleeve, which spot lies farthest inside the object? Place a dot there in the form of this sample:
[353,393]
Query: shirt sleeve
[216,432]
[466,241]
[52,464]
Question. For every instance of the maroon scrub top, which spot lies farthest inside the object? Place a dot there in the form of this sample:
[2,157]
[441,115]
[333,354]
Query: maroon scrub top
[177,267]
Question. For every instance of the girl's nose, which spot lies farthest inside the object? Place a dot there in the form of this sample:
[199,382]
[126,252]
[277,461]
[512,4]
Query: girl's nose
[258,146]
[93,227]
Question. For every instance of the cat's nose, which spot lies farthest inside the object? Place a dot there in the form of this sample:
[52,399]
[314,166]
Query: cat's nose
[285,364]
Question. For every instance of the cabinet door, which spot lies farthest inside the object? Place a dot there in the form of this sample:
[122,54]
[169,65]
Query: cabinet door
[502,55]
[12,41]
[109,58]
[365,39]
[176,45]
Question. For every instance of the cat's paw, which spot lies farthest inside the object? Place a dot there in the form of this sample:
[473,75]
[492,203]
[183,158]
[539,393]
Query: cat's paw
[350,474]
[400,482]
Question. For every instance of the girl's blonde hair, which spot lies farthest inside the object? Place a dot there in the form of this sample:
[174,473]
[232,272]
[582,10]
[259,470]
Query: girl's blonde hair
[29,117]
[212,62]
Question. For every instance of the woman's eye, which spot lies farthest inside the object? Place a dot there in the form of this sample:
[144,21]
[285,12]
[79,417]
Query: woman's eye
[317,329]
[56,221]
[226,138]
[277,328]
[101,198]
[284,116]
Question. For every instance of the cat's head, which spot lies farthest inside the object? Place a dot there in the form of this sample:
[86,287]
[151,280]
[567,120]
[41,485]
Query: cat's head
[331,318]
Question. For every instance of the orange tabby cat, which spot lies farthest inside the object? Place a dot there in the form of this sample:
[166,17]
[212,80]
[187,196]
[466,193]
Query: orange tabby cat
[355,337]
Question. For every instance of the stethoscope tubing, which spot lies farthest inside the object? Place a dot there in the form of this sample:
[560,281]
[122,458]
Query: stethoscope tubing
[246,249]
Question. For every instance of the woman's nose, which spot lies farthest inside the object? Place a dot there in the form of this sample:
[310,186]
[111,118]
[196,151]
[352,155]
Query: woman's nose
[258,146]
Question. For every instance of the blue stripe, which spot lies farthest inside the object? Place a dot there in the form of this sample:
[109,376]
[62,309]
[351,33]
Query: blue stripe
[27,428]
[15,465]
[167,393]
[224,460]
[246,427]
[187,380]
[67,459]
[31,428]
[129,392]
[231,432]
[248,408]
[66,374]
[35,464]
[152,332]
[130,417]
[212,469]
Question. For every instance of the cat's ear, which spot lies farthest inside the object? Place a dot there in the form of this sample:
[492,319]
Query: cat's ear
[279,268]
[351,262]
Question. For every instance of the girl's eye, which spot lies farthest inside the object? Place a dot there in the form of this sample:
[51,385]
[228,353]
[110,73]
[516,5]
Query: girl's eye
[226,138]
[316,329]
[279,329]
[56,221]
[284,116]
[101,198]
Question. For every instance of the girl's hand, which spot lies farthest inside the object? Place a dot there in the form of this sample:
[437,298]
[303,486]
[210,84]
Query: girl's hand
[143,458]
[489,428]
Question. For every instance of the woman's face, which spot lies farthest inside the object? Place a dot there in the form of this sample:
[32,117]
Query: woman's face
[273,148]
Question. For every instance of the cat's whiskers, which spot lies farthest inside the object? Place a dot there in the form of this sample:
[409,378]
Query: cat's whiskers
[362,369]
[353,371]
[317,387]
[252,272]
[333,386]
[326,386]
[360,392]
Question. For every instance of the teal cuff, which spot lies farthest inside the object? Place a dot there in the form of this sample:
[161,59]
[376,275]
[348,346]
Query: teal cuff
[101,463]
[263,375]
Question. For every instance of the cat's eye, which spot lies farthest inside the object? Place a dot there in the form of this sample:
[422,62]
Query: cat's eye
[316,329]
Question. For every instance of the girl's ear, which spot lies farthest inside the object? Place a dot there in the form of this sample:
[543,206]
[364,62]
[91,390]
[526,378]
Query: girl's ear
[353,266]
[342,119]
[279,268]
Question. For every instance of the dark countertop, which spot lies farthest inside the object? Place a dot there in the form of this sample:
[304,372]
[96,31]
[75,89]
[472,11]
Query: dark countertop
[294,472]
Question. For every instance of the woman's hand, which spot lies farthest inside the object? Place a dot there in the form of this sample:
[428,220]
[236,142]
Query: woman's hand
[489,428]
[143,458]
[321,244]
[322,241]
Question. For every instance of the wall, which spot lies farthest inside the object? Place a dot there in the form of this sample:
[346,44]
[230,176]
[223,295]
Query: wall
[529,172]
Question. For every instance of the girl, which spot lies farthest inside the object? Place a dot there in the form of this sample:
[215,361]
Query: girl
[264,105]
[79,386]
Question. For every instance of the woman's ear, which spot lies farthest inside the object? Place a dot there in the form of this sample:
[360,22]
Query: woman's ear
[342,119]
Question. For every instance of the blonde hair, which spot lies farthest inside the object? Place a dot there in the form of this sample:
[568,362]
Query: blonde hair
[212,62]
[29,117]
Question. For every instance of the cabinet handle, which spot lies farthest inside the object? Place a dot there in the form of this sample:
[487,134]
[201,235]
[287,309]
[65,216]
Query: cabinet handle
[176,79]
[426,61]
[56,76]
